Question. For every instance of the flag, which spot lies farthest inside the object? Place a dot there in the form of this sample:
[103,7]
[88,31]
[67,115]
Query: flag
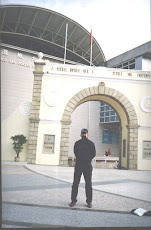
[91,38]
[66,36]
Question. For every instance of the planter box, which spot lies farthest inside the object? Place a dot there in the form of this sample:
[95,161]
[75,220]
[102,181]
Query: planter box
[17,159]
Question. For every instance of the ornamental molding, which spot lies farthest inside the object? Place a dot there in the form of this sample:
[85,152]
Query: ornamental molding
[145,104]
[50,98]
[25,108]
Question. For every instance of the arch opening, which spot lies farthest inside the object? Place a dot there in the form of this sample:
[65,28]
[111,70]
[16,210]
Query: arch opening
[128,120]
[104,129]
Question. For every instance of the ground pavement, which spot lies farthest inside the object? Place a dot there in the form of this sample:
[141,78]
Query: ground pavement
[36,196]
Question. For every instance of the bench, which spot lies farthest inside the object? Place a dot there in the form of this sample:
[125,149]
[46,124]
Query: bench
[99,162]
[105,162]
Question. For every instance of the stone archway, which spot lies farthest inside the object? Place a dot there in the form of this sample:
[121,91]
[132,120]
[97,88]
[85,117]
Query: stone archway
[122,100]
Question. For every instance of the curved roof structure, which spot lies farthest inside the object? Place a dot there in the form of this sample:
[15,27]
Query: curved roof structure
[40,29]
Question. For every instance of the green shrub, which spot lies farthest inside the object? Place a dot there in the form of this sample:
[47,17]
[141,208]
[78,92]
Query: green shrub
[18,141]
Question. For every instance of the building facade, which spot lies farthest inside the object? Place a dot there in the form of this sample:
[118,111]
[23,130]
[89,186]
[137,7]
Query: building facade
[50,102]
[77,85]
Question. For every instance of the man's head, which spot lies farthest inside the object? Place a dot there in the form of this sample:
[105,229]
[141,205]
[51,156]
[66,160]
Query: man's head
[84,133]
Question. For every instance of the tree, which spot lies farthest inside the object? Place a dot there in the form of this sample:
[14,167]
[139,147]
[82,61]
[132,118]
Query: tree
[18,141]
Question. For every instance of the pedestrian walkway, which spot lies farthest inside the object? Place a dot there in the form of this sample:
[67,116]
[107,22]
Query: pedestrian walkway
[35,190]
[122,190]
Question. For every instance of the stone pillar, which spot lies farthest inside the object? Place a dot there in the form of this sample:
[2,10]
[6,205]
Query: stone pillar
[120,150]
[64,143]
[132,146]
[35,111]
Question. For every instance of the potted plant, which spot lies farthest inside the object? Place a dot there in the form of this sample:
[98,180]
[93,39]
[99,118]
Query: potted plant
[18,141]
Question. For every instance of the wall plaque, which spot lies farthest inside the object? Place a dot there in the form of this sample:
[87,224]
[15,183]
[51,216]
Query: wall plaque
[147,150]
[49,143]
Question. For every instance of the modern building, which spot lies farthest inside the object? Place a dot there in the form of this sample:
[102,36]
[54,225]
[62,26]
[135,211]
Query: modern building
[50,102]
[138,58]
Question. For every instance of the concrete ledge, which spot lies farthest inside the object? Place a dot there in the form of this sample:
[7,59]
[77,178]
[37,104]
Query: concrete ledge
[99,162]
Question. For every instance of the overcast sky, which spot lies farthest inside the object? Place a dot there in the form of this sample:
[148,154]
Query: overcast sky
[117,25]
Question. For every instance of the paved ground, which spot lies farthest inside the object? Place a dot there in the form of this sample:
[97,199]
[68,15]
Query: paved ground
[38,196]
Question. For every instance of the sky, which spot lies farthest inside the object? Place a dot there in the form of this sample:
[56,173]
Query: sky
[117,25]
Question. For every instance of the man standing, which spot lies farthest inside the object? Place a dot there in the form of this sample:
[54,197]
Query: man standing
[84,151]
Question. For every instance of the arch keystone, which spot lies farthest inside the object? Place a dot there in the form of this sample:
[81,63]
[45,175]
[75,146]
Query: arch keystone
[101,83]
[101,87]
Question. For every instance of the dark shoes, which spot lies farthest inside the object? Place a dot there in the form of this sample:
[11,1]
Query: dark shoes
[89,205]
[72,204]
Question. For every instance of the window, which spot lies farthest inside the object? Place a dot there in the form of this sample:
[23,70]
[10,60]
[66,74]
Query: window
[113,119]
[126,65]
[106,119]
[106,138]
[107,108]
[102,120]
[132,66]
[115,137]
[111,136]
[102,108]
[132,61]
[113,113]
[119,66]
[117,118]
[107,114]
[49,143]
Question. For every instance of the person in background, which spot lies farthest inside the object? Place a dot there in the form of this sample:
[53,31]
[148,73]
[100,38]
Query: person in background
[109,152]
[84,151]
[106,153]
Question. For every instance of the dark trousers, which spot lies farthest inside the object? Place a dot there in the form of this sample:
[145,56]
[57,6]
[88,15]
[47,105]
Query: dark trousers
[87,173]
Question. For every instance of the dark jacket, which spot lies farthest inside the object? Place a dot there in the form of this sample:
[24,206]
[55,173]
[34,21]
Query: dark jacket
[84,151]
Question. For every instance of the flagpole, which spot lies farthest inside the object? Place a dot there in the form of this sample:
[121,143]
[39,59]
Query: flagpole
[91,48]
[65,43]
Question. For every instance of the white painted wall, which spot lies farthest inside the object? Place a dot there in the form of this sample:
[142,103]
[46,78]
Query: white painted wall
[67,85]
[146,64]
[63,85]
[16,124]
